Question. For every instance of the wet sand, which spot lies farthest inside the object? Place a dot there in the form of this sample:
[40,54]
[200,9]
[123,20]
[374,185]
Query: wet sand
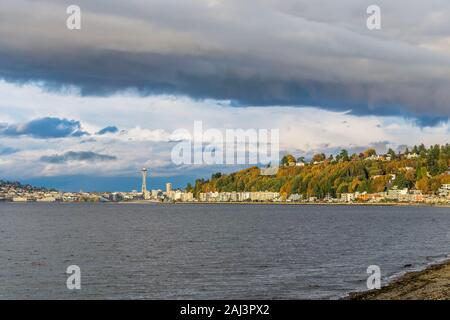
[432,283]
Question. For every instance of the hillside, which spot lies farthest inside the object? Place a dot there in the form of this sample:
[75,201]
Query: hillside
[422,168]
[19,186]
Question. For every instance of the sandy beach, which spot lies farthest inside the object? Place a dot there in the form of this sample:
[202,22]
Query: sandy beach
[433,283]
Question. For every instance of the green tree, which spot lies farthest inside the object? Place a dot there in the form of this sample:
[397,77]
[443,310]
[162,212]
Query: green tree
[343,156]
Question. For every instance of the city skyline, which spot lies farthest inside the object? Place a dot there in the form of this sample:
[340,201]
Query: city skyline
[414,176]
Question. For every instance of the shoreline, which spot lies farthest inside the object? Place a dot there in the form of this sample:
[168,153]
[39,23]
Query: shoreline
[431,283]
[146,202]
[386,204]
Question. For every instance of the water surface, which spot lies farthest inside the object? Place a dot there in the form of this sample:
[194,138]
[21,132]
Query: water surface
[130,251]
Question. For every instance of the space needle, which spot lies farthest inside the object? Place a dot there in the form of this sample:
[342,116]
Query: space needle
[144,181]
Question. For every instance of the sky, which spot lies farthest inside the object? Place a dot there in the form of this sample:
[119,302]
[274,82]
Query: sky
[86,109]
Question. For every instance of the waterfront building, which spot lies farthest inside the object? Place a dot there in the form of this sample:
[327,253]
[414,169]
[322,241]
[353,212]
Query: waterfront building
[264,196]
[348,197]
[19,199]
[46,199]
[396,194]
[444,191]
[155,194]
[294,197]
[187,197]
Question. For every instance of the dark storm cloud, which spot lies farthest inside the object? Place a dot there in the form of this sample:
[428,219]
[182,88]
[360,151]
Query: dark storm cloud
[44,128]
[430,121]
[77,156]
[254,52]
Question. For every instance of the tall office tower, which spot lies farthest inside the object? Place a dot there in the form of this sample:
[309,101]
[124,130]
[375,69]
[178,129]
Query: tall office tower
[168,187]
[144,181]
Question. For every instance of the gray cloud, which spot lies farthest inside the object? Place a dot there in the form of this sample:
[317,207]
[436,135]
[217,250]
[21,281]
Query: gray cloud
[4,151]
[44,128]
[77,156]
[381,147]
[90,140]
[109,129]
[253,52]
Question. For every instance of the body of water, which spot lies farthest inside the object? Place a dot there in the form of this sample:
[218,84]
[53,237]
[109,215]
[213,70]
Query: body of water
[130,251]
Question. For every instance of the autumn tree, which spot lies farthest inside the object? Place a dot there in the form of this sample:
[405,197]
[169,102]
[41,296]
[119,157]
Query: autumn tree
[288,160]
[369,152]
[319,157]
